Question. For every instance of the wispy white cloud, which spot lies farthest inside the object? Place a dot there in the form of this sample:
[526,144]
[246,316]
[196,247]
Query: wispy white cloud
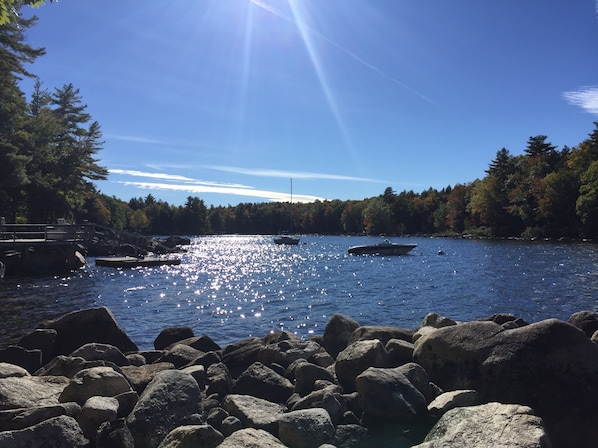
[290,174]
[223,189]
[585,97]
[136,139]
[172,177]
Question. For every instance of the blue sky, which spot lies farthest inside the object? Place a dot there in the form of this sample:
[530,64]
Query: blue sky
[229,99]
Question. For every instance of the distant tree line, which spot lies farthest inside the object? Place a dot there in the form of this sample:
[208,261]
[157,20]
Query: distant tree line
[48,162]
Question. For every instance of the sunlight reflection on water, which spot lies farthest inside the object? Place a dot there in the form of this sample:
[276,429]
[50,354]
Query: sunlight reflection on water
[231,287]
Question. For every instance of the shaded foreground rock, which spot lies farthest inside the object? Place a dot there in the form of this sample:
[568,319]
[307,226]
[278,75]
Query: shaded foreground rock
[490,425]
[357,386]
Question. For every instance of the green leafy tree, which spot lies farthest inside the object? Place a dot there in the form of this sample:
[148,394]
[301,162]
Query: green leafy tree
[587,202]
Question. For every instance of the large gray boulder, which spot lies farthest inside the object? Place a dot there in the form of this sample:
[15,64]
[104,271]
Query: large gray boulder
[382,333]
[180,355]
[170,400]
[90,325]
[241,354]
[307,428]
[97,381]
[171,335]
[263,382]
[218,379]
[306,374]
[96,411]
[251,438]
[95,351]
[24,417]
[254,412]
[550,366]
[57,432]
[586,321]
[140,376]
[337,333]
[31,391]
[286,351]
[453,399]
[493,425]
[188,436]
[356,358]
[389,395]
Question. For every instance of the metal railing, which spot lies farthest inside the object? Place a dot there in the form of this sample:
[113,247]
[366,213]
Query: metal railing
[46,232]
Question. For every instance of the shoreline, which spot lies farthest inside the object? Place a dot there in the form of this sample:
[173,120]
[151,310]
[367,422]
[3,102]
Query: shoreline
[87,384]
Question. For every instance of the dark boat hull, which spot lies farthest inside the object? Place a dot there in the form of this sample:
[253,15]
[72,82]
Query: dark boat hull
[134,262]
[382,249]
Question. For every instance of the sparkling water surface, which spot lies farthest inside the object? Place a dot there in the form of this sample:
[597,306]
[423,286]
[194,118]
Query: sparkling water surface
[232,287]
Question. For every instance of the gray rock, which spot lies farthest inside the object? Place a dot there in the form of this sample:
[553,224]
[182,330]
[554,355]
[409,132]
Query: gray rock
[96,411]
[199,373]
[356,358]
[586,321]
[382,333]
[240,355]
[202,343]
[493,425]
[254,412]
[453,399]
[180,355]
[57,432]
[352,436]
[12,370]
[189,436]
[437,321]
[95,351]
[505,320]
[90,325]
[170,400]
[287,351]
[422,331]
[31,360]
[399,352]
[140,376]
[136,359]
[306,375]
[171,335]
[219,380]
[263,382]
[419,378]
[114,434]
[251,438]
[322,359]
[31,391]
[337,333]
[389,395]
[21,418]
[97,381]
[230,424]
[308,428]
[215,416]
[550,366]
[41,339]
[326,399]
[69,366]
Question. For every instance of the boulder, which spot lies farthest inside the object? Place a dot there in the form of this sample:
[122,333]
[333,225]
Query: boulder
[326,399]
[215,416]
[180,355]
[24,417]
[399,352]
[31,360]
[40,339]
[389,395]
[263,382]
[586,321]
[140,376]
[197,372]
[550,366]
[306,375]
[90,325]
[251,438]
[96,411]
[11,370]
[69,366]
[493,425]
[97,381]
[57,432]
[219,380]
[287,351]
[352,436]
[382,333]
[337,333]
[31,391]
[356,358]
[114,434]
[506,320]
[170,400]
[307,428]
[254,412]
[95,351]
[202,343]
[437,321]
[242,354]
[453,399]
[230,424]
[419,378]
[189,436]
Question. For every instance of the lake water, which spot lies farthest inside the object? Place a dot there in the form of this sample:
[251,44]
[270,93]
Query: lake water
[232,287]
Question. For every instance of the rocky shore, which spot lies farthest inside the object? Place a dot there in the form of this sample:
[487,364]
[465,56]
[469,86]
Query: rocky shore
[80,381]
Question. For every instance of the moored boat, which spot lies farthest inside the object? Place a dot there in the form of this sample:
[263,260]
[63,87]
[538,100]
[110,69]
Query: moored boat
[134,262]
[288,240]
[386,247]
